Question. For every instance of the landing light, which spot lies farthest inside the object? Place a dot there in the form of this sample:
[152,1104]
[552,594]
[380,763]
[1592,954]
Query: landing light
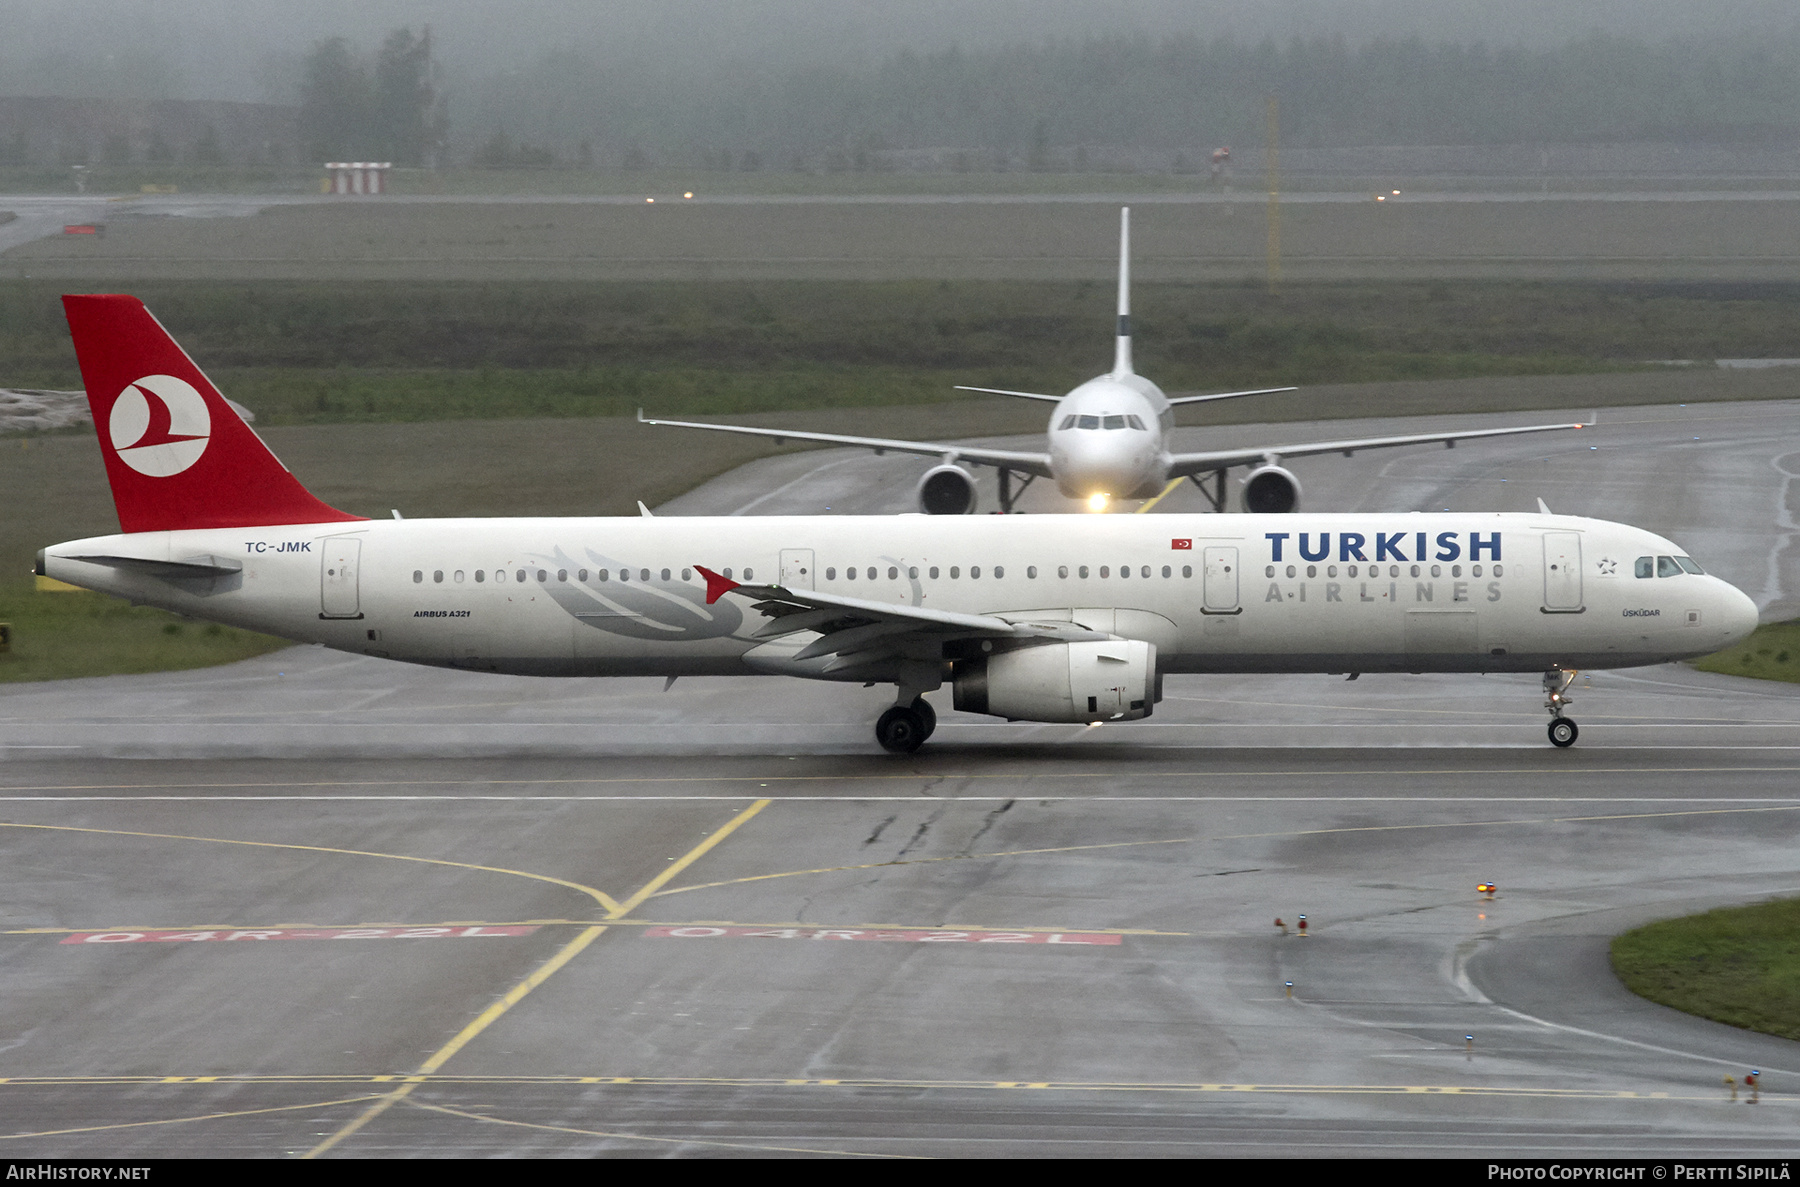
[1097,502]
[650,200]
[689,194]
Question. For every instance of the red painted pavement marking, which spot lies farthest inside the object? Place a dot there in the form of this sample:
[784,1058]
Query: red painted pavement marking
[298,933]
[853,933]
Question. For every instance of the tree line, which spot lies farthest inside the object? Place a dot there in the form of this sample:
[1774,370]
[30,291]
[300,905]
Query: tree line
[389,109]
[1169,93]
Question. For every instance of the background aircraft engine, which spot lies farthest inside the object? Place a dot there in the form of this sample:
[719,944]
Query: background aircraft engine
[947,490]
[1271,490]
[1110,680]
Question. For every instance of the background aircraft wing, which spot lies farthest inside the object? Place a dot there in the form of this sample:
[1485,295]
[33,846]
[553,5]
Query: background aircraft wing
[1183,464]
[1261,391]
[1007,459]
[857,632]
[1000,391]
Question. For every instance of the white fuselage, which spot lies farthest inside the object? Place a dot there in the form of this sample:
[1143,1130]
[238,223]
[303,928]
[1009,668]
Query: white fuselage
[1245,593]
[1109,437]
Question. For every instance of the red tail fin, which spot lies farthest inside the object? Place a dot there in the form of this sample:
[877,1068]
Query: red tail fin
[176,454]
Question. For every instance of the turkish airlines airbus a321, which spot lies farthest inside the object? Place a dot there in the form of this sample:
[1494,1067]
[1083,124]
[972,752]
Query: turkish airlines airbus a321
[1071,618]
[1109,439]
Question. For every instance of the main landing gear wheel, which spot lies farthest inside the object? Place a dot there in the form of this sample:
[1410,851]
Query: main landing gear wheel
[901,730]
[926,713]
[1563,732]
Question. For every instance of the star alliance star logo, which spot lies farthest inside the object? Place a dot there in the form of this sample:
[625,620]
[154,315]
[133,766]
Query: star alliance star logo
[1607,566]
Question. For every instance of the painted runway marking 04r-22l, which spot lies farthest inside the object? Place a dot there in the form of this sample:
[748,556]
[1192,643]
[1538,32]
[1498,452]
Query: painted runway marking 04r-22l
[298,933]
[905,935]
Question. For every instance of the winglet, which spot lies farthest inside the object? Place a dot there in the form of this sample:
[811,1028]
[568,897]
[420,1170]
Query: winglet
[716,586]
[1545,507]
[644,511]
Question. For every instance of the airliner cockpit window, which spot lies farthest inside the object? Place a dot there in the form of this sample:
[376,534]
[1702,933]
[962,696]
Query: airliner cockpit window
[1135,423]
[1666,567]
[1068,422]
[1687,562]
[1645,566]
[1115,422]
[1089,422]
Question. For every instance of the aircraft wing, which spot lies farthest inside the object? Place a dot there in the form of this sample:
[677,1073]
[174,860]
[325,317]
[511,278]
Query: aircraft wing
[1006,459]
[857,631]
[1261,391]
[1182,465]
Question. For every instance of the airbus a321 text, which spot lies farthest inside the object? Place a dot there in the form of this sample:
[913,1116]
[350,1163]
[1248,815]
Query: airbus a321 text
[1072,618]
[1109,439]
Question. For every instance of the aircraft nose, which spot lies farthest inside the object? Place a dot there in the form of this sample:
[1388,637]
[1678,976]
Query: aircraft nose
[1738,615]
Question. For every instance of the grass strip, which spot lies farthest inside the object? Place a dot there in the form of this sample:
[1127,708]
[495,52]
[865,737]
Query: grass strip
[1772,652]
[1737,965]
[60,636]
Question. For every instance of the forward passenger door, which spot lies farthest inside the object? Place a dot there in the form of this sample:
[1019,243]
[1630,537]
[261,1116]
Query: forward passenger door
[1562,572]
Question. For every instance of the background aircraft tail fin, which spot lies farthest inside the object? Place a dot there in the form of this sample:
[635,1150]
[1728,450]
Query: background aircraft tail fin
[1122,349]
[176,453]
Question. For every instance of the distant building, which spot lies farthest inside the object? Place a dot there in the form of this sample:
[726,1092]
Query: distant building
[358,177]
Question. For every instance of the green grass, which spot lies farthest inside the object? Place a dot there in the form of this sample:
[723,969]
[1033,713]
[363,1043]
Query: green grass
[1738,965]
[302,352]
[57,636]
[1771,653]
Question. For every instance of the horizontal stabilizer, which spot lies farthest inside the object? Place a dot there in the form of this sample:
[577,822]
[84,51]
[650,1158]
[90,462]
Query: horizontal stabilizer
[190,567]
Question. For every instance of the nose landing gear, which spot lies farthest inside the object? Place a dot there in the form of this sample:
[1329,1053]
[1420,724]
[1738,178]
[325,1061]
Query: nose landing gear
[1563,730]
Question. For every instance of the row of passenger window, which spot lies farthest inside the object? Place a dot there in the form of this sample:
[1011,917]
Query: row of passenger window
[998,572]
[872,573]
[1375,570]
[1665,566]
[544,576]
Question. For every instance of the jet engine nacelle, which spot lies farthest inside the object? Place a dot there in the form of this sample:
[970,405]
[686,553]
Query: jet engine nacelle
[946,490]
[1271,490]
[1109,680]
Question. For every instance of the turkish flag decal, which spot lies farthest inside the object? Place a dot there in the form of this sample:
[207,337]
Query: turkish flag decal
[1182,545]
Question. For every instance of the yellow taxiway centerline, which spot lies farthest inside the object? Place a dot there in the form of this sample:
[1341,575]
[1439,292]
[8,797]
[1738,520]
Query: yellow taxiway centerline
[638,1137]
[856,1083]
[538,976]
[1173,483]
[52,1133]
[603,899]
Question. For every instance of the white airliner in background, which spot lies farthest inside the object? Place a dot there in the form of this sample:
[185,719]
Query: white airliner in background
[1109,439]
[1050,618]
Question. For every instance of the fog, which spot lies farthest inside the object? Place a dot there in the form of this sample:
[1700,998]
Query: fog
[249,49]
